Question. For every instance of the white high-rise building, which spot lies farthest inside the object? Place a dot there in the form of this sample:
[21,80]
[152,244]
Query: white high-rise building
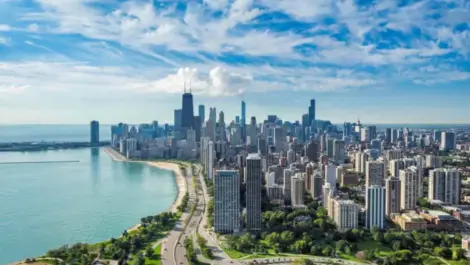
[361,160]
[227,201]
[444,185]
[375,173]
[287,185]
[365,135]
[392,195]
[291,157]
[375,207]
[210,160]
[346,215]
[339,151]
[410,185]
[326,191]
[433,161]
[297,190]
[253,192]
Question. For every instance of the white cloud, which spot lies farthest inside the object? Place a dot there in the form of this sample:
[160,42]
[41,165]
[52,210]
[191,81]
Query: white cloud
[4,41]
[4,27]
[218,82]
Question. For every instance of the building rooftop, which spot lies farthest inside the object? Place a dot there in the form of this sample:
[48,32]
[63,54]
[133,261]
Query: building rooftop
[253,156]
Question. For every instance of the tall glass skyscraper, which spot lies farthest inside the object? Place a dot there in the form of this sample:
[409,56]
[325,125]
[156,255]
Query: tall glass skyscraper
[187,113]
[202,113]
[243,122]
[311,112]
[95,133]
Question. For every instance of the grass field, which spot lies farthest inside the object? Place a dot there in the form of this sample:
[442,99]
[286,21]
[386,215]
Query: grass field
[156,258]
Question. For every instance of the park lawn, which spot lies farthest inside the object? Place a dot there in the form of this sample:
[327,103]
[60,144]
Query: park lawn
[234,254]
[156,258]
[351,258]
[96,246]
[371,244]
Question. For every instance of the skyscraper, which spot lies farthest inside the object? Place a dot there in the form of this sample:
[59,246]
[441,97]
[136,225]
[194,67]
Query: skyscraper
[243,122]
[388,135]
[375,207]
[448,141]
[375,173]
[202,113]
[94,133]
[444,185]
[187,112]
[392,195]
[297,190]
[346,215]
[253,192]
[410,182]
[339,151]
[177,120]
[347,129]
[227,201]
[311,112]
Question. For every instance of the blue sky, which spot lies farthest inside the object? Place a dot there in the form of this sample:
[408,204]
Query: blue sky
[383,61]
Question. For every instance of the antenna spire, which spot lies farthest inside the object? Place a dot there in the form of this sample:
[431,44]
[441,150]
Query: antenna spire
[184,86]
[190,86]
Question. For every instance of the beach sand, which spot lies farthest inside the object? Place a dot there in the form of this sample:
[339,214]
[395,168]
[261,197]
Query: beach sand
[180,179]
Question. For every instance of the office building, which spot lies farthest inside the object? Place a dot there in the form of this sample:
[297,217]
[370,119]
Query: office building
[253,192]
[297,190]
[311,113]
[187,112]
[388,135]
[311,151]
[202,113]
[275,194]
[339,151]
[444,185]
[433,161]
[375,207]
[178,120]
[287,185]
[291,157]
[346,215]
[365,136]
[392,195]
[317,184]
[448,141]
[243,122]
[94,133]
[394,154]
[375,173]
[360,163]
[410,185]
[347,128]
[191,138]
[227,201]
[437,136]
[279,139]
[330,175]
[330,148]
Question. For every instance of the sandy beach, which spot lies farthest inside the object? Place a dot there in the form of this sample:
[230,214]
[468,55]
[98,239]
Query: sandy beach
[180,179]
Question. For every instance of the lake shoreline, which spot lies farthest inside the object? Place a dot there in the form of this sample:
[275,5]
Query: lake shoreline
[181,181]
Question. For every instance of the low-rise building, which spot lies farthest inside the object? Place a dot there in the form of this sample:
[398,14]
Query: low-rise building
[410,221]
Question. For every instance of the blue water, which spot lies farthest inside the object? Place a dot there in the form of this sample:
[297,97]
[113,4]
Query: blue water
[51,133]
[44,206]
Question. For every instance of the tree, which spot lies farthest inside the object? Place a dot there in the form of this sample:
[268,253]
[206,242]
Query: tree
[149,252]
[443,252]
[140,260]
[457,253]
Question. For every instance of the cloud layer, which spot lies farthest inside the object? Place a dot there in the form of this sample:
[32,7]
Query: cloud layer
[232,48]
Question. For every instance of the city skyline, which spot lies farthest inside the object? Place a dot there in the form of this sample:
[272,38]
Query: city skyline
[379,62]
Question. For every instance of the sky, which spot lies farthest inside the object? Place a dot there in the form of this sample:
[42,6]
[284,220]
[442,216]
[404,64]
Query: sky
[383,61]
